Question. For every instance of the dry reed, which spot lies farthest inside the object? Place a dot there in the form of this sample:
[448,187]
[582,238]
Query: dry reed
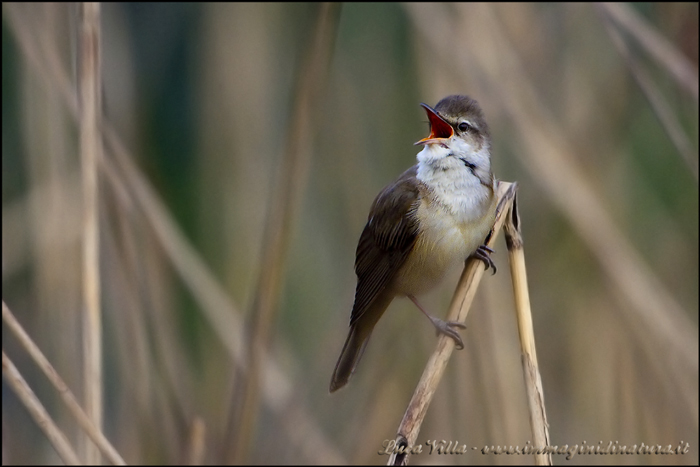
[68,398]
[605,223]
[459,308]
[291,182]
[90,91]
[38,412]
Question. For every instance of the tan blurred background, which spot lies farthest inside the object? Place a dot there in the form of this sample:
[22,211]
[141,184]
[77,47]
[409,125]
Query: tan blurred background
[593,109]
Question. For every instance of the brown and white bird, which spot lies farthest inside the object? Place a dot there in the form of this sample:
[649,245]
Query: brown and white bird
[436,214]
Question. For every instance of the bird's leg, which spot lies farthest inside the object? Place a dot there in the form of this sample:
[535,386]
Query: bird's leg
[443,327]
[483,253]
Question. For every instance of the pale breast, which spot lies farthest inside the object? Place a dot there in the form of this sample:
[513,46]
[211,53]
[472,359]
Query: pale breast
[444,240]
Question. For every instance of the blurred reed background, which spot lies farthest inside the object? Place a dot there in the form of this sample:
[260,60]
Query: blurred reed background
[593,109]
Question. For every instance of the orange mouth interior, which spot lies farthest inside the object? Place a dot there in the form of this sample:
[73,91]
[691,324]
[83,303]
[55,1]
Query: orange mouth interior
[439,128]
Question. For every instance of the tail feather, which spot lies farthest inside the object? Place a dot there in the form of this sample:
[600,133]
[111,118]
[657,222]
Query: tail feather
[357,340]
[350,356]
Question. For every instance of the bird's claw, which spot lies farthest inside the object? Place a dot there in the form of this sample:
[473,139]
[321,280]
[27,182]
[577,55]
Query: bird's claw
[483,253]
[445,327]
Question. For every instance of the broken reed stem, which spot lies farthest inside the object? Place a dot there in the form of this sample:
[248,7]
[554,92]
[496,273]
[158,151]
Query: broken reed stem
[459,308]
[531,372]
[38,412]
[71,402]
[89,81]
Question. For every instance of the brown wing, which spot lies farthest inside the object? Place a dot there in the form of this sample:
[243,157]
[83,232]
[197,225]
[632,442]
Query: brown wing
[386,241]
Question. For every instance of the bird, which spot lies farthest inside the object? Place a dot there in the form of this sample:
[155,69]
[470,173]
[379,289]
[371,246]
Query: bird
[437,213]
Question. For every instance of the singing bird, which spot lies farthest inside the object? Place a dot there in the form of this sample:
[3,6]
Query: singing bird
[436,214]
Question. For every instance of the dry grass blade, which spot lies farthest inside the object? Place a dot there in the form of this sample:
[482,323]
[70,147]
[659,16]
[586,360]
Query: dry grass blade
[38,412]
[89,88]
[459,308]
[659,105]
[126,178]
[526,331]
[219,310]
[660,48]
[83,420]
[217,307]
[285,204]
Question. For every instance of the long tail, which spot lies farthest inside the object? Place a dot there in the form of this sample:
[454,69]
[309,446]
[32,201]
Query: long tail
[350,356]
[357,340]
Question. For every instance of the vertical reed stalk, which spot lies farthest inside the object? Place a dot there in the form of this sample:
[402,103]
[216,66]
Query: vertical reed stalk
[89,90]
[526,331]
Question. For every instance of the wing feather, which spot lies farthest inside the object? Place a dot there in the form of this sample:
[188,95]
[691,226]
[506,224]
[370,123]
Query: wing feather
[386,241]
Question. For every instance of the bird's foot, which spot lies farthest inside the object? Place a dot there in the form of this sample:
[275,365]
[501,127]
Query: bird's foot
[483,253]
[443,327]
[446,328]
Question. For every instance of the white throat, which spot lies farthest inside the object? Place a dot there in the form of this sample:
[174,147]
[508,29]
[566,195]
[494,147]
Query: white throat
[463,185]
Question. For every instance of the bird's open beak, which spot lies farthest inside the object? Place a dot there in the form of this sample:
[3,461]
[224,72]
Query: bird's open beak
[440,130]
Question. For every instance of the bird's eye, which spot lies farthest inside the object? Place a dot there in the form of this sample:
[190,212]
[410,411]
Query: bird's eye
[464,126]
